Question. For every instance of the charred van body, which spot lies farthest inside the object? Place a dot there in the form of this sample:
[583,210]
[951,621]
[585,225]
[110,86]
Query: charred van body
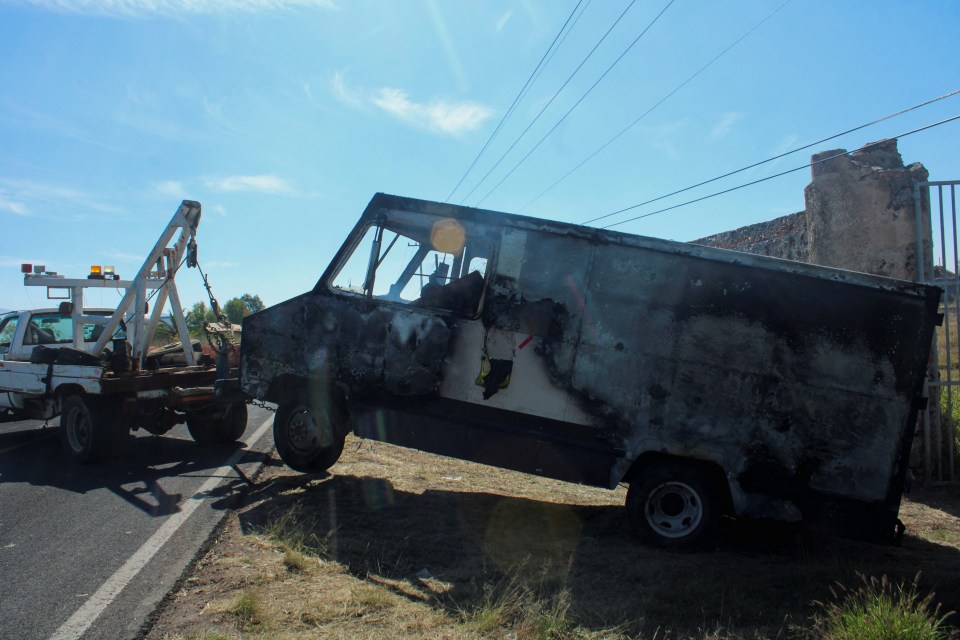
[713,382]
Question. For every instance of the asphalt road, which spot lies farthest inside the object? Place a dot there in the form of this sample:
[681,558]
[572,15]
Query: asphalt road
[88,551]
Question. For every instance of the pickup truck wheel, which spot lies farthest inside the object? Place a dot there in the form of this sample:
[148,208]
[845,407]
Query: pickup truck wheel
[89,431]
[229,428]
[308,439]
[673,505]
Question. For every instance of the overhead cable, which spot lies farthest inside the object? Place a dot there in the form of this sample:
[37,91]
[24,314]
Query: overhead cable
[530,80]
[777,157]
[576,104]
[662,100]
[563,39]
[776,175]
[554,97]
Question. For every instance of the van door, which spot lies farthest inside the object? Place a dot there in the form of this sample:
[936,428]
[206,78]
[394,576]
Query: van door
[410,283]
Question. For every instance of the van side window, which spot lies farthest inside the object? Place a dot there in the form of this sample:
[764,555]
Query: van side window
[439,267]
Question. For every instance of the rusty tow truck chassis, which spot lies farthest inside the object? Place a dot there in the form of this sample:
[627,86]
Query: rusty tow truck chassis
[712,382]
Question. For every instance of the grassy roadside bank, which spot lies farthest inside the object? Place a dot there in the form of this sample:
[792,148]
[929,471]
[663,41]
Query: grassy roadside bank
[401,544]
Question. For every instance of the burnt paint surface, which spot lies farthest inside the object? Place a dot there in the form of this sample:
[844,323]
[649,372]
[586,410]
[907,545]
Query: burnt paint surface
[372,349]
[795,380]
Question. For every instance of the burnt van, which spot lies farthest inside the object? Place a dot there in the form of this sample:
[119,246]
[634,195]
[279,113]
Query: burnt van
[714,383]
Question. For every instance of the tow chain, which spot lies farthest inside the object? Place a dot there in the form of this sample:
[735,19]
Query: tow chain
[262,405]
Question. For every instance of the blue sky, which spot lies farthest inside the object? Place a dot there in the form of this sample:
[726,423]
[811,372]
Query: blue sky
[283,117]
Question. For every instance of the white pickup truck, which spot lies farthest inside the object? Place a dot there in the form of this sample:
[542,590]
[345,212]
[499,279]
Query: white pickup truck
[95,367]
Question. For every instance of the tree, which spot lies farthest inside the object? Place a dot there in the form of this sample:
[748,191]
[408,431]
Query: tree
[235,310]
[165,334]
[197,317]
[253,303]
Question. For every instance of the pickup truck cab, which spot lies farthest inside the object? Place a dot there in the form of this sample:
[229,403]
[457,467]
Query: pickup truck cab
[22,331]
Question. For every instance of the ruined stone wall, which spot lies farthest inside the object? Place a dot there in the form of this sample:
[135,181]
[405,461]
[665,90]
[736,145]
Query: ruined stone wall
[860,212]
[859,215]
[784,237]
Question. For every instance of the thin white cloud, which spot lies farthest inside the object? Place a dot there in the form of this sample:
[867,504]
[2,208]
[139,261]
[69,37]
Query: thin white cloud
[308,91]
[786,143]
[124,257]
[12,261]
[661,137]
[266,184]
[344,93]
[214,110]
[145,8]
[44,197]
[219,210]
[14,207]
[169,188]
[725,124]
[17,115]
[220,264]
[438,115]
[502,21]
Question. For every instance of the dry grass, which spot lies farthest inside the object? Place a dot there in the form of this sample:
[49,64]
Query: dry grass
[402,544]
[879,609]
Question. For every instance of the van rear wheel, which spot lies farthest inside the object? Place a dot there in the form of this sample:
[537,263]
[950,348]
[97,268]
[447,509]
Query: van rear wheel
[673,505]
[308,439]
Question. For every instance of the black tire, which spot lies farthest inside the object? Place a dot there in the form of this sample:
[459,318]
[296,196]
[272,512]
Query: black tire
[674,505]
[90,431]
[309,439]
[220,430]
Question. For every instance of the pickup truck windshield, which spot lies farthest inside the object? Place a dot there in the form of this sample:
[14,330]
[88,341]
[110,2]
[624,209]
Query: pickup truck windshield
[57,328]
[436,266]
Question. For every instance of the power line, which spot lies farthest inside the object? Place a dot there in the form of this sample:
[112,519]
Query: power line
[777,157]
[576,104]
[662,100]
[560,44]
[776,175]
[554,97]
[530,80]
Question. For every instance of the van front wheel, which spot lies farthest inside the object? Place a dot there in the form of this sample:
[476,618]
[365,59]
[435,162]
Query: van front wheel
[308,439]
[673,505]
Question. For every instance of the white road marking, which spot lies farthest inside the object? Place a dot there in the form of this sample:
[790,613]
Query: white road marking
[87,614]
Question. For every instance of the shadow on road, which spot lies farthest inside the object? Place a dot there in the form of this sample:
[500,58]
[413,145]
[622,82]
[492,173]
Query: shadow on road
[135,476]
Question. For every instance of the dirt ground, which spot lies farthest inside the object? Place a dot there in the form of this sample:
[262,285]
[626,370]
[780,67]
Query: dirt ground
[395,543]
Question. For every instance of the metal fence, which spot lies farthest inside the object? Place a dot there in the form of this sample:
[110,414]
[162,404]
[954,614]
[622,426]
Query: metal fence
[939,264]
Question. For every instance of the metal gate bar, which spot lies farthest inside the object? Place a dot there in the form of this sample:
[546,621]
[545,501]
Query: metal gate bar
[939,421]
